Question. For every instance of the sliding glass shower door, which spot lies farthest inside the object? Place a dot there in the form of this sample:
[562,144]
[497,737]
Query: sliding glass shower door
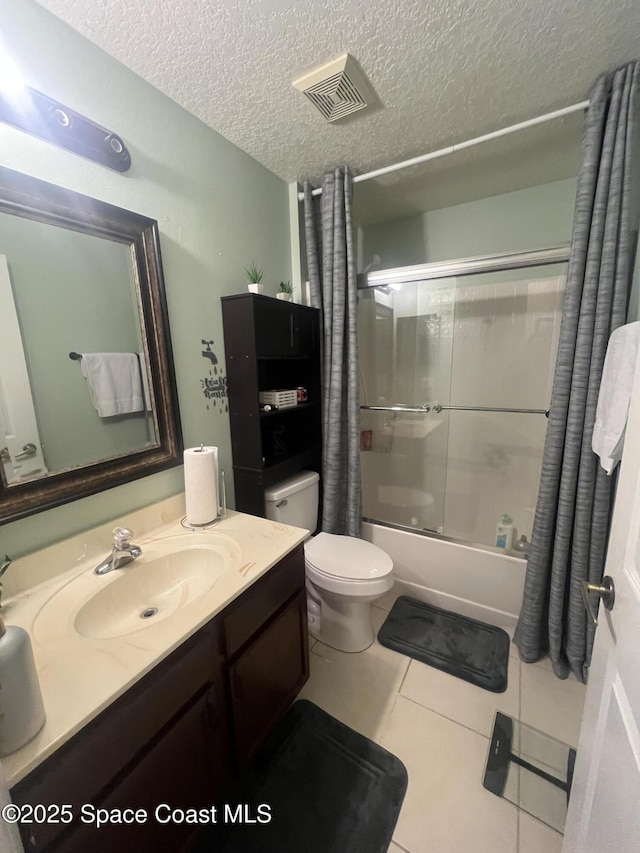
[456,378]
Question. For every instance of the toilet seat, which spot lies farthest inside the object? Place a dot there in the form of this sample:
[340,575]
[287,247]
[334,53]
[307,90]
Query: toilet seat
[344,564]
[347,557]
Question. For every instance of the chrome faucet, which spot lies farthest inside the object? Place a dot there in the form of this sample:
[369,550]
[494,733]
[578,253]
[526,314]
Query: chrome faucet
[123,552]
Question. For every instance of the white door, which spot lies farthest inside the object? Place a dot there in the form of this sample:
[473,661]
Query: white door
[20,449]
[604,810]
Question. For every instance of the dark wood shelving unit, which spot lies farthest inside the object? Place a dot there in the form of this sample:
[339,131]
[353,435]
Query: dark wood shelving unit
[270,344]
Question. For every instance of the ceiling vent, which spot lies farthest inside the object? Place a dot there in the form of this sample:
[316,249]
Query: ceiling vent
[338,88]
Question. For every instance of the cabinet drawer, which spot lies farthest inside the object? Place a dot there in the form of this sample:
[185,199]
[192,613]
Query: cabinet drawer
[79,770]
[261,601]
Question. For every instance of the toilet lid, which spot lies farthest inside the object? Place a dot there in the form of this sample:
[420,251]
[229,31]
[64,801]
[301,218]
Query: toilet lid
[347,557]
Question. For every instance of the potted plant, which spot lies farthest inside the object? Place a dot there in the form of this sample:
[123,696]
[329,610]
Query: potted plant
[254,274]
[285,291]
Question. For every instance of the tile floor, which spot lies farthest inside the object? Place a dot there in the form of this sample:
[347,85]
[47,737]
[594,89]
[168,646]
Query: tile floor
[439,726]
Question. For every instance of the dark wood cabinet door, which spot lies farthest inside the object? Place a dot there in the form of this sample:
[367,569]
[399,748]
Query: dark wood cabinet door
[86,768]
[304,331]
[274,327]
[268,675]
[284,329]
[179,772]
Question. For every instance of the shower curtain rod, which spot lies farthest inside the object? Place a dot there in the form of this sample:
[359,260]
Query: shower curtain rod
[451,149]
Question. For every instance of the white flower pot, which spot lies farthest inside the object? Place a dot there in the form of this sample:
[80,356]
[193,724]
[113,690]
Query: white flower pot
[256,288]
[286,297]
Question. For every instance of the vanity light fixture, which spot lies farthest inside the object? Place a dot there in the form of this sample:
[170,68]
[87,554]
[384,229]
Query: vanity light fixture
[39,115]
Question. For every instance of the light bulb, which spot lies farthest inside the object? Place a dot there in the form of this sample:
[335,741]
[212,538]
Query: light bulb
[11,80]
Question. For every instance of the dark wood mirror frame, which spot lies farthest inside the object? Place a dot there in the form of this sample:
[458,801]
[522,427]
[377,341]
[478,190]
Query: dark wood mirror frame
[31,198]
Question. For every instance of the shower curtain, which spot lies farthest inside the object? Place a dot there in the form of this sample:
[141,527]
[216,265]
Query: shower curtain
[571,523]
[332,279]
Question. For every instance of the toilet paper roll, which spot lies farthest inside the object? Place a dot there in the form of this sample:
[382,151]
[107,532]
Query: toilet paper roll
[201,484]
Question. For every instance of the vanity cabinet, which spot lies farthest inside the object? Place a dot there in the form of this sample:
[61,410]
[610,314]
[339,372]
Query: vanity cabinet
[179,735]
[270,345]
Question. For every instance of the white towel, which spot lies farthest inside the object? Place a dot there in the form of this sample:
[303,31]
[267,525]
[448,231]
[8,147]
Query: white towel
[114,382]
[615,395]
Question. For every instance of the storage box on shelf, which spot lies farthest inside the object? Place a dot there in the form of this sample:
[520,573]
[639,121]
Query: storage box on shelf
[269,345]
[281,399]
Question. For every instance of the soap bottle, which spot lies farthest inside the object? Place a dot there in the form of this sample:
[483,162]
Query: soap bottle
[504,531]
[522,545]
[21,707]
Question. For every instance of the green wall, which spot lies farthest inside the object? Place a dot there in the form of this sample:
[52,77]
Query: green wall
[217,209]
[534,218]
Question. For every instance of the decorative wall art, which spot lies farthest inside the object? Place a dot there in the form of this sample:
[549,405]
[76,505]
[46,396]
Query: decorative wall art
[214,385]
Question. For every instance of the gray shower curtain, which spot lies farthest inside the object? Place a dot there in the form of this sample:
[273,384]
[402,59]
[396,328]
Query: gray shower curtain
[571,523]
[332,279]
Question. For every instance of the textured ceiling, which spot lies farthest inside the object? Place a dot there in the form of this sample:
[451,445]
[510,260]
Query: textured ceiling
[444,70]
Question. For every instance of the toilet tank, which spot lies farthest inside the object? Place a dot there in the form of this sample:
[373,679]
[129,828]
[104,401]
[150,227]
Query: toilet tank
[294,501]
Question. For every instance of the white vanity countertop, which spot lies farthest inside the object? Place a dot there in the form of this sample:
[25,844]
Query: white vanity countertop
[80,676]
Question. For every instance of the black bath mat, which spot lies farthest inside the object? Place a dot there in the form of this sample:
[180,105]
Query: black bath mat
[456,644]
[328,789]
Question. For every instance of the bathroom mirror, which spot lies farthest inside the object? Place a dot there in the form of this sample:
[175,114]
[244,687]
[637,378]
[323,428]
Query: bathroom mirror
[81,301]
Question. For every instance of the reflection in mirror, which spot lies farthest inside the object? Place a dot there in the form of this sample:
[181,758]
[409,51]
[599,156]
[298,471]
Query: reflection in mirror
[17,412]
[74,290]
[79,278]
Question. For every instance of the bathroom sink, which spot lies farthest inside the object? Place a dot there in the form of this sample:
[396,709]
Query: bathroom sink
[150,591]
[169,576]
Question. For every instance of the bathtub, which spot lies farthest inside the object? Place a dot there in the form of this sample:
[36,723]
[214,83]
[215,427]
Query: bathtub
[481,584]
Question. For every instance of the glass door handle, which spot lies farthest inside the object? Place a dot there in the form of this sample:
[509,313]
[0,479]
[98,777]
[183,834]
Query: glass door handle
[28,450]
[420,409]
[606,591]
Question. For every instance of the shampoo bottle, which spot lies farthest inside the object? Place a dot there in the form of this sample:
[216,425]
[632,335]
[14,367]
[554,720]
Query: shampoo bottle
[504,532]
[21,707]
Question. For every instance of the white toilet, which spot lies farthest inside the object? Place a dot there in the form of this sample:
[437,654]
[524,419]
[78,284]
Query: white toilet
[344,574]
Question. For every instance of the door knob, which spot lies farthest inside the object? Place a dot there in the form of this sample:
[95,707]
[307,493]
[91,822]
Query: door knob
[4,455]
[28,450]
[606,591]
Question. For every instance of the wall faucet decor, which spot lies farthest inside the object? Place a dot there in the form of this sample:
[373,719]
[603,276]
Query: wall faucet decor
[29,110]
[214,386]
[208,352]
